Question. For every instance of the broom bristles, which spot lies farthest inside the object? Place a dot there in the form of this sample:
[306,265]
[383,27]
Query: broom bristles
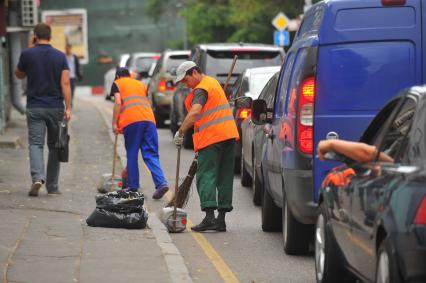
[182,195]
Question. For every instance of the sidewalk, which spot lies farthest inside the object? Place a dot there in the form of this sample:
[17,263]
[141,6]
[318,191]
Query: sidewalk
[46,239]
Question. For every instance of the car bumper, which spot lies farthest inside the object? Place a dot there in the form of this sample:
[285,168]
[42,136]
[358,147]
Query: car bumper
[300,195]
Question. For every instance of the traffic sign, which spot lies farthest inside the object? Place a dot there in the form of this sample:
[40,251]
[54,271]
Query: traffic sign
[281,38]
[280,21]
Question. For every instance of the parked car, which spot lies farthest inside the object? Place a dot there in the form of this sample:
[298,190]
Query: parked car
[372,216]
[250,83]
[253,137]
[338,73]
[215,60]
[161,86]
[140,63]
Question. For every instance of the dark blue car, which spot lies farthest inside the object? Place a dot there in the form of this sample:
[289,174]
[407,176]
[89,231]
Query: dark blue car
[348,58]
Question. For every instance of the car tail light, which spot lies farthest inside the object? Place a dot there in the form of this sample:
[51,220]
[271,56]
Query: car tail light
[163,85]
[243,113]
[420,218]
[306,115]
[393,2]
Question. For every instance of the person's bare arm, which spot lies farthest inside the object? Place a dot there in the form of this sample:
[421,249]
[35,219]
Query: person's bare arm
[66,92]
[193,116]
[20,74]
[357,151]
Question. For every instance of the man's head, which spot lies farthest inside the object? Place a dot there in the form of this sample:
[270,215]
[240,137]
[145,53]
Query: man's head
[122,73]
[68,48]
[42,32]
[189,74]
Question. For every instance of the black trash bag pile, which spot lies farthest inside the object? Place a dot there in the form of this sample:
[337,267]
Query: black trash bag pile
[119,210]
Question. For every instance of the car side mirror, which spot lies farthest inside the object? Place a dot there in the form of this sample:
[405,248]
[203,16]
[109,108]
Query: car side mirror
[243,102]
[259,112]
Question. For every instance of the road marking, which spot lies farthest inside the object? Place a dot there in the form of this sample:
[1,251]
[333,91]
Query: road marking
[222,268]
[220,265]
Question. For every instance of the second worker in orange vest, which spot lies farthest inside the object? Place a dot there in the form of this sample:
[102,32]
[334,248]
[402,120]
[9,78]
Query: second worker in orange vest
[134,118]
[214,138]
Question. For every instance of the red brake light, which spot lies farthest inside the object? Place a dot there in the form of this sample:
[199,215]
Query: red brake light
[420,218]
[393,2]
[156,56]
[306,115]
[163,85]
[243,113]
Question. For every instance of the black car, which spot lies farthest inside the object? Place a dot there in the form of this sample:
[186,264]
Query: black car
[253,137]
[215,60]
[372,216]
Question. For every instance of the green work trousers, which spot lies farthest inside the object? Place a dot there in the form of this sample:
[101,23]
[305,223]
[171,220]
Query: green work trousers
[215,172]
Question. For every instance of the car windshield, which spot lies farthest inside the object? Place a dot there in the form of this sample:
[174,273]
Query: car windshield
[143,63]
[258,82]
[175,60]
[218,62]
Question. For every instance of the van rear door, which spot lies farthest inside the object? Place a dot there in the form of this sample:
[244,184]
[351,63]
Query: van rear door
[367,54]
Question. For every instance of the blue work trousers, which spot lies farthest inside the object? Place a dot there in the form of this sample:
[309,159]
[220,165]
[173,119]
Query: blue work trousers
[143,135]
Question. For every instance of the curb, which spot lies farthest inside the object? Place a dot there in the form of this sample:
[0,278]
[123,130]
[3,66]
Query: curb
[175,263]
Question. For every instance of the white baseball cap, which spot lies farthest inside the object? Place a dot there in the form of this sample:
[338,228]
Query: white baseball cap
[182,69]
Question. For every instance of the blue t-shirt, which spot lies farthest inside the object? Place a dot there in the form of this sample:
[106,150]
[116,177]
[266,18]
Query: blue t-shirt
[43,66]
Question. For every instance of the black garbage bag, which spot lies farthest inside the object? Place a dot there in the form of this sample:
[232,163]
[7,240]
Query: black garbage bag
[123,202]
[104,218]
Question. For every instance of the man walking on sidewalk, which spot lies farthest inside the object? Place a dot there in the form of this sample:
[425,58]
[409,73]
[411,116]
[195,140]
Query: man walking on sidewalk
[134,118]
[47,73]
[214,138]
[74,66]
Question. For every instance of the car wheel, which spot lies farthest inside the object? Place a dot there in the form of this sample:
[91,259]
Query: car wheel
[296,235]
[386,266]
[173,124]
[271,214]
[256,186]
[245,177]
[158,118]
[328,267]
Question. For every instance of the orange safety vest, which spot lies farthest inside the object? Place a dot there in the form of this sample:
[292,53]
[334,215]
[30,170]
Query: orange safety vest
[217,122]
[135,105]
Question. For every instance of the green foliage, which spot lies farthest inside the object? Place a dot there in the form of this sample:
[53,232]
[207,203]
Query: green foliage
[230,20]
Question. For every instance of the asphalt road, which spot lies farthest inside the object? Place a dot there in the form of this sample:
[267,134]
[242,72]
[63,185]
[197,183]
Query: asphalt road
[242,254]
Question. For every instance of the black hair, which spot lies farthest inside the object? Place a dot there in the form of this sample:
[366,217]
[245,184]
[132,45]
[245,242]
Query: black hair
[122,72]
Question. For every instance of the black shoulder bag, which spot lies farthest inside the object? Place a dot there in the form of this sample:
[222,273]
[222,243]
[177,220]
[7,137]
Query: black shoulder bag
[63,141]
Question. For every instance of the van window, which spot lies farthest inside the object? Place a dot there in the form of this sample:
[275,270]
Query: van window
[296,77]
[282,93]
[175,60]
[312,21]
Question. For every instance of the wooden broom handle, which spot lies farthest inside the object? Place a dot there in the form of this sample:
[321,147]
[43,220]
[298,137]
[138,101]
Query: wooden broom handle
[176,187]
[225,86]
[113,162]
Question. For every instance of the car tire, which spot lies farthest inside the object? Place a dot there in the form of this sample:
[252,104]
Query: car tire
[173,124]
[296,236]
[237,166]
[386,265]
[245,177]
[256,186]
[271,214]
[159,119]
[328,259]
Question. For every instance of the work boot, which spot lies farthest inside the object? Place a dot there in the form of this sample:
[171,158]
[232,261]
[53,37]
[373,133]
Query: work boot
[220,226]
[205,225]
[35,187]
[159,193]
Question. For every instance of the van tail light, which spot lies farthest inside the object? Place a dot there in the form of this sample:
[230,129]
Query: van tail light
[164,85]
[306,115]
[420,218]
[243,113]
[393,2]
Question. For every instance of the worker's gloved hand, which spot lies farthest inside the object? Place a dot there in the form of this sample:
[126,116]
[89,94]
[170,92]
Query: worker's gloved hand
[178,139]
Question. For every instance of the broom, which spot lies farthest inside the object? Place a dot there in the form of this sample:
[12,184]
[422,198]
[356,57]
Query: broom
[180,199]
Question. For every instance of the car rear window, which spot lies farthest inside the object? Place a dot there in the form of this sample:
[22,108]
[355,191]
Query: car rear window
[143,63]
[218,62]
[258,82]
[174,61]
